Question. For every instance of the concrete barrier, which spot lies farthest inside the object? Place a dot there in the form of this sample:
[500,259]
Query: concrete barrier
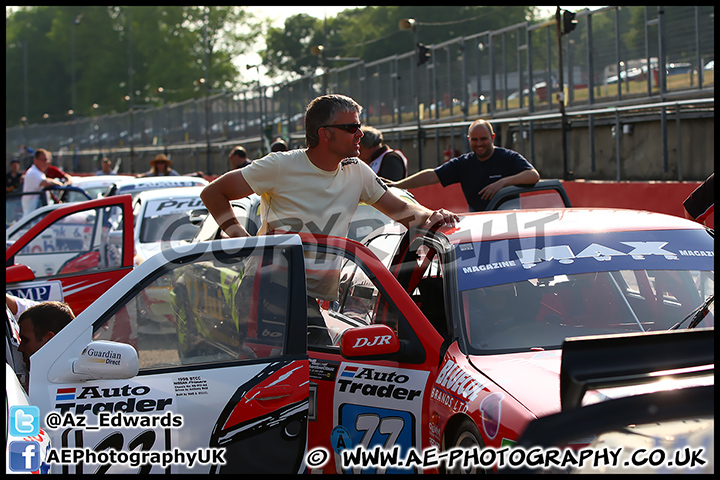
[662,197]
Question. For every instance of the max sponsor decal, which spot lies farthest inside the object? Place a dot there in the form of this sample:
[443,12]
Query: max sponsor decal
[565,255]
[94,399]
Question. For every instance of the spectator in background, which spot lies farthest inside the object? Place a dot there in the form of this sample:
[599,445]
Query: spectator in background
[159,167]
[18,305]
[700,204]
[450,153]
[13,178]
[238,158]
[387,163]
[55,172]
[105,167]
[481,173]
[279,145]
[35,179]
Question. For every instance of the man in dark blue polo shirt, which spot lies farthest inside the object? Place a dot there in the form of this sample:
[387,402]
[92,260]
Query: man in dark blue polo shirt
[481,173]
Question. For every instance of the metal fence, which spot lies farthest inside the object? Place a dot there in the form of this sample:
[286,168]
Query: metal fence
[514,71]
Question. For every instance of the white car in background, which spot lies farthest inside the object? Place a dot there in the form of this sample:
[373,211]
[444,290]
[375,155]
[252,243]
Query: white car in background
[164,215]
[95,185]
[134,186]
[163,218]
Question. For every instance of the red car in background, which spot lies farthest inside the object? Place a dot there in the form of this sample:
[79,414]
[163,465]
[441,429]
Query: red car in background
[74,254]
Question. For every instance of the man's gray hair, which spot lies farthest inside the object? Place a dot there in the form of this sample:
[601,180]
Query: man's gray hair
[322,110]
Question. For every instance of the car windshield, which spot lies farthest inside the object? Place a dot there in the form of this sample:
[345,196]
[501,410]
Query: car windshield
[551,293]
[169,219]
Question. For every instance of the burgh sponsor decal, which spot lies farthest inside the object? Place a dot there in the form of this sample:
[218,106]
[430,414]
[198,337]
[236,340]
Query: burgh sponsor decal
[453,379]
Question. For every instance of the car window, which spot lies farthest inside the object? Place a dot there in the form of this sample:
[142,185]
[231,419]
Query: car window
[358,302]
[209,229]
[384,246]
[215,310]
[160,223]
[74,243]
[542,312]
[520,294]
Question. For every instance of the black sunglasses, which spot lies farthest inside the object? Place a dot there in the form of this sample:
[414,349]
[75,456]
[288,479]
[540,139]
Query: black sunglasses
[348,127]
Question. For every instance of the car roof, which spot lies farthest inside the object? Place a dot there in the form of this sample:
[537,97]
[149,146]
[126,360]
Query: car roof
[504,224]
[99,180]
[158,182]
[169,192]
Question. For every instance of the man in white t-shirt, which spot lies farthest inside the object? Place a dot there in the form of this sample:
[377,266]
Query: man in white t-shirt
[35,180]
[316,189]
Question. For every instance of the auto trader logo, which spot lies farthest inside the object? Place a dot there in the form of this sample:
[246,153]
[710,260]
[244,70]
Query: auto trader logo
[24,421]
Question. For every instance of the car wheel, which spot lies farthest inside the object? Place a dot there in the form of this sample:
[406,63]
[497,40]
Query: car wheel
[465,436]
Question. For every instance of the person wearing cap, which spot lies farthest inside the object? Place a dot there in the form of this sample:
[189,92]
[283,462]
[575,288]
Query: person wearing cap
[160,166]
[279,145]
[387,163]
[238,158]
[13,178]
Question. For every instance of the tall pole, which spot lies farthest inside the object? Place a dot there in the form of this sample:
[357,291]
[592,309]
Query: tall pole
[131,94]
[206,47]
[411,24]
[73,98]
[561,97]
[25,81]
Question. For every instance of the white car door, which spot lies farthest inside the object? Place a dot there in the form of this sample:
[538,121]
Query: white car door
[225,392]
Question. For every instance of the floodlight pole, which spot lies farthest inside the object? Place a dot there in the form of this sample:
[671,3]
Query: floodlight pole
[561,97]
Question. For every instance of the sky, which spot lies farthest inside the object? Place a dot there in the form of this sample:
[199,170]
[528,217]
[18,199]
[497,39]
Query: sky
[278,14]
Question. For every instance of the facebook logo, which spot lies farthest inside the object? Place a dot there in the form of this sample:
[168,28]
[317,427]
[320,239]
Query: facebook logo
[24,456]
[24,420]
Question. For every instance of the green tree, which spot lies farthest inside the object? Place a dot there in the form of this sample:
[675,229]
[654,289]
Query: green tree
[372,32]
[171,47]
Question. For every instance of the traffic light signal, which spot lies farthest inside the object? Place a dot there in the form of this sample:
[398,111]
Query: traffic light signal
[569,21]
[423,53]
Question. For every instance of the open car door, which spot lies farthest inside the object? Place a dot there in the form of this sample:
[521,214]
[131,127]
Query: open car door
[225,391]
[74,253]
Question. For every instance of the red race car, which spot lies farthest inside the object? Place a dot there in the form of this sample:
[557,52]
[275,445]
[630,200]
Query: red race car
[423,341]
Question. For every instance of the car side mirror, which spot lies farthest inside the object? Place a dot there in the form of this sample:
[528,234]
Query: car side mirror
[104,360]
[369,341]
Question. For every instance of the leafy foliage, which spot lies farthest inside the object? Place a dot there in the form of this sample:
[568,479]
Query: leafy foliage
[165,46]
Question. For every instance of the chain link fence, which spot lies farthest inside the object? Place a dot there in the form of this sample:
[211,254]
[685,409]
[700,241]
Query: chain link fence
[512,74]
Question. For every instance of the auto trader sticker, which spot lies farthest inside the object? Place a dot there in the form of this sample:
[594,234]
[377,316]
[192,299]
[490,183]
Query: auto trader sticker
[378,406]
[94,417]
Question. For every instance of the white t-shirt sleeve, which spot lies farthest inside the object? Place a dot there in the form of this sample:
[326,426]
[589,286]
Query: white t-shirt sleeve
[22,305]
[373,187]
[262,174]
